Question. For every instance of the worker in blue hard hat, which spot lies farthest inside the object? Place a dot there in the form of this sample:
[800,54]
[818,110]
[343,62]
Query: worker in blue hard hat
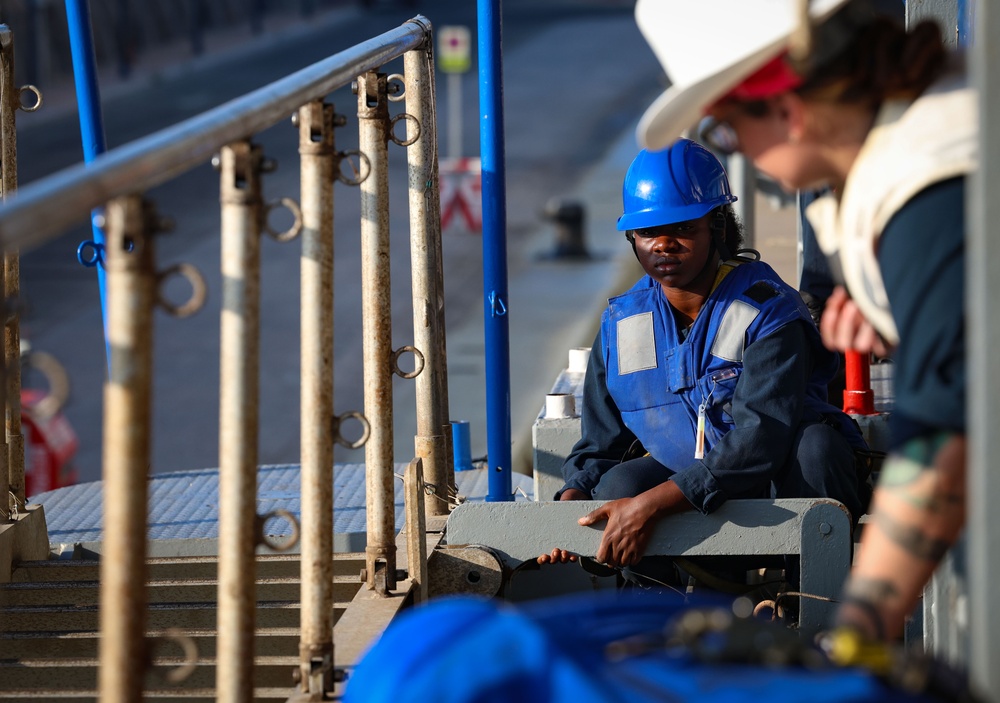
[707,380]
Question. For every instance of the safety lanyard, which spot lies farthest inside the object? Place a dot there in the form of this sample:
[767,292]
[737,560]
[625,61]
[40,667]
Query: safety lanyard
[699,437]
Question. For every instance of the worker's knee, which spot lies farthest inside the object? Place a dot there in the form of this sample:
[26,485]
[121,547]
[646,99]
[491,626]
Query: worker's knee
[822,451]
[630,478]
[823,466]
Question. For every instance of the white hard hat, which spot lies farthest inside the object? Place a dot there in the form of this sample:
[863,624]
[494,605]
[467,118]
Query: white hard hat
[707,48]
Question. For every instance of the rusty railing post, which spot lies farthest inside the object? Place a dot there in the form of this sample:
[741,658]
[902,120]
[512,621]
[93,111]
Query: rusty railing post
[316,149]
[373,115]
[131,280]
[433,427]
[416,529]
[12,462]
[240,164]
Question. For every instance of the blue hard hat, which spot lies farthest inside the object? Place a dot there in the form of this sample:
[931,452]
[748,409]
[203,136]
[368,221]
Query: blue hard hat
[680,183]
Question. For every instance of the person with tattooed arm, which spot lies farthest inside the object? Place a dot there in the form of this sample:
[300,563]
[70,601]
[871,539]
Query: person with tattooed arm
[884,117]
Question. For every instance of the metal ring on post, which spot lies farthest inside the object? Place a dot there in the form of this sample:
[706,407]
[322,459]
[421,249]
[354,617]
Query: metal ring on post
[199,290]
[190,648]
[262,538]
[392,129]
[418,357]
[30,89]
[290,233]
[96,253]
[360,173]
[401,80]
[366,429]
[57,379]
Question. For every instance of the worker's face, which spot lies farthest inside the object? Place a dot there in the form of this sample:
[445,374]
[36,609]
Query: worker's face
[774,141]
[676,255]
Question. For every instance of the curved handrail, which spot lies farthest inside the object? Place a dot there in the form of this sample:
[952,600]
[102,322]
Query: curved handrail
[28,219]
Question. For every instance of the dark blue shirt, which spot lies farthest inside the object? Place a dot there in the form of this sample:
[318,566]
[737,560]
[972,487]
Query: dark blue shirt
[922,258]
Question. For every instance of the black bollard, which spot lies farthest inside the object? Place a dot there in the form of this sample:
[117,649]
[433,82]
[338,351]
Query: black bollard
[568,217]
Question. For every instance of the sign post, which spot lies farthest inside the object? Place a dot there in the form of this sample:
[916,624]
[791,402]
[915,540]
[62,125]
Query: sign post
[454,58]
[461,196]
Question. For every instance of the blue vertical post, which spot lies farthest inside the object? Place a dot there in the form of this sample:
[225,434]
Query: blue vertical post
[966,21]
[494,193]
[88,101]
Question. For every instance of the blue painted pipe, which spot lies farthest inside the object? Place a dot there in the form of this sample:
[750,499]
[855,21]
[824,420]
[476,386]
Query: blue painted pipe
[88,99]
[494,194]
[461,442]
[966,21]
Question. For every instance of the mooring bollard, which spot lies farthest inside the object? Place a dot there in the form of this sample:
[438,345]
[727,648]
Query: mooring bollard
[568,217]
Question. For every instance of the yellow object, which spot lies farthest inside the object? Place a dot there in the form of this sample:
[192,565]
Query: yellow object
[847,647]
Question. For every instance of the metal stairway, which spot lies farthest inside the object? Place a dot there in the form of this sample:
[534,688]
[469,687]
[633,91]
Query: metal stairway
[49,626]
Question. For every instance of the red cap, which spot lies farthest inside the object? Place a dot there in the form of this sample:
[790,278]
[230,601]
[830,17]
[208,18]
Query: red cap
[774,77]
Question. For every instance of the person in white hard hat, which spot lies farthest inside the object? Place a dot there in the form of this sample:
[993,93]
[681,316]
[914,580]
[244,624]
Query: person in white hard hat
[849,100]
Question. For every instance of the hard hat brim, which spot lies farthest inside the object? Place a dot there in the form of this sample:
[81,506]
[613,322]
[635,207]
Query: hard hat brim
[655,217]
[681,107]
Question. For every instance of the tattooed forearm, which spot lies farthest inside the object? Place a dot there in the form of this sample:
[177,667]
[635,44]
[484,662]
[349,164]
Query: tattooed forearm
[867,598]
[911,538]
[870,590]
[919,484]
[899,471]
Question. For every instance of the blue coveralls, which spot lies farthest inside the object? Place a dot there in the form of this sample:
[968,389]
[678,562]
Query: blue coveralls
[754,358]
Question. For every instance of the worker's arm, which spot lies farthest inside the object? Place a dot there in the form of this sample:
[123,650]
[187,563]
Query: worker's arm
[603,442]
[918,511]
[604,438]
[630,522]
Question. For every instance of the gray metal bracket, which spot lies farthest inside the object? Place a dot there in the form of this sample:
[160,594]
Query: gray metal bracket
[817,530]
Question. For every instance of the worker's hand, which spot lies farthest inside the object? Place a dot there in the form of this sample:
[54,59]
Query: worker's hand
[557,556]
[630,525]
[574,494]
[843,326]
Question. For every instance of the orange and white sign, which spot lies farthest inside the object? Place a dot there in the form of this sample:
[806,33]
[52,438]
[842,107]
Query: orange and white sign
[461,187]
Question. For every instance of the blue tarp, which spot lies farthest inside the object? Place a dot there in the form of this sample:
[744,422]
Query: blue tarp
[470,650]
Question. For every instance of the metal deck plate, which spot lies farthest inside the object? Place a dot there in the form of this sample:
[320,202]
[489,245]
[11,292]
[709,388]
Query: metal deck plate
[184,505]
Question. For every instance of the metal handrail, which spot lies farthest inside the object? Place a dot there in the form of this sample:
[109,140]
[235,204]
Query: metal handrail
[29,219]
[117,181]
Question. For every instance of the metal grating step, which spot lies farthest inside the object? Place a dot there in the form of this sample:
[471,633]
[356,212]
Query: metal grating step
[197,616]
[49,617]
[85,593]
[268,642]
[76,674]
[268,566]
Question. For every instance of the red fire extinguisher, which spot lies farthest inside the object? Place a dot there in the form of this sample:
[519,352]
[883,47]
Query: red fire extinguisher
[49,441]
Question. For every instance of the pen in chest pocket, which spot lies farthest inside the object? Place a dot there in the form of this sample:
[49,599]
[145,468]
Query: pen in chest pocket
[699,438]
